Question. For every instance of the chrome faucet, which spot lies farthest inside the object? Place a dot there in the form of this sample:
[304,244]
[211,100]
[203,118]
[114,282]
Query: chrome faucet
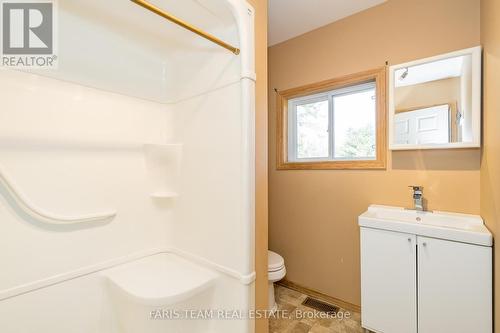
[418,198]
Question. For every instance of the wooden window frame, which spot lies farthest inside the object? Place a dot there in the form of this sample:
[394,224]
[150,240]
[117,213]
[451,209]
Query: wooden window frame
[379,77]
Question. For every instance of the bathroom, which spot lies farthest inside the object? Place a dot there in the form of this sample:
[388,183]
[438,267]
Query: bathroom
[153,175]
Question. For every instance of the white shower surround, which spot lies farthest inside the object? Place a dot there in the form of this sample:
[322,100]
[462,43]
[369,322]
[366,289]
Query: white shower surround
[73,141]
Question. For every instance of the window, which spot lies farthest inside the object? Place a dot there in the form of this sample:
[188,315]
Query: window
[336,124]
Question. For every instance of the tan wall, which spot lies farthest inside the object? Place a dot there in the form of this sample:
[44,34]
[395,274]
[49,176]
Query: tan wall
[313,214]
[261,181]
[490,164]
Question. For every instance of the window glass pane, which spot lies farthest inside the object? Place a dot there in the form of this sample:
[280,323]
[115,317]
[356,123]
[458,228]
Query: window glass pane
[312,130]
[354,125]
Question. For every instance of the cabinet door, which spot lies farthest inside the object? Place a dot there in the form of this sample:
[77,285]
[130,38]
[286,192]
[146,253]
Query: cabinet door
[454,287]
[388,281]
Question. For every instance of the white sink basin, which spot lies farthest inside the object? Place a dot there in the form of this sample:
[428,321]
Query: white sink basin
[451,226]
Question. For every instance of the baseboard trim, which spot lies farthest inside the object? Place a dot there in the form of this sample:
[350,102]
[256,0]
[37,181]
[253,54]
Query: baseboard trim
[319,295]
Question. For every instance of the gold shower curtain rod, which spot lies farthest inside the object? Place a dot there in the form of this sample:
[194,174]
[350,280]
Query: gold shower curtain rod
[186,25]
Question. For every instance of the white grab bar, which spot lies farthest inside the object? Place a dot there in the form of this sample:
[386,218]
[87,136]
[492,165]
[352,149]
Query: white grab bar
[40,214]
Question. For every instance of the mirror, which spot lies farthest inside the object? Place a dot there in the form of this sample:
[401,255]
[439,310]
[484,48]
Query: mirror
[435,103]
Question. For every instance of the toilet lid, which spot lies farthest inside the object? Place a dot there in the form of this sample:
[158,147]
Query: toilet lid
[275,261]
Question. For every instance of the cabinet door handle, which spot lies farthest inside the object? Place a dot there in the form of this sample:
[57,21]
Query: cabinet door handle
[424,244]
[409,239]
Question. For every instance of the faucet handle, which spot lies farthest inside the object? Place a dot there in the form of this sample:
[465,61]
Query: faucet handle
[416,187]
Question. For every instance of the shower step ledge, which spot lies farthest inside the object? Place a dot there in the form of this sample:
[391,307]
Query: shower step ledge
[40,215]
[160,280]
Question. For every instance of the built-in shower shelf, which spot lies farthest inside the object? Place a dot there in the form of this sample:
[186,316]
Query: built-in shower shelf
[163,164]
[164,145]
[164,195]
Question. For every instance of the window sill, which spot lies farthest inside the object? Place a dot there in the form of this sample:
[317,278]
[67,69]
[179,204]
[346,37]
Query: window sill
[333,165]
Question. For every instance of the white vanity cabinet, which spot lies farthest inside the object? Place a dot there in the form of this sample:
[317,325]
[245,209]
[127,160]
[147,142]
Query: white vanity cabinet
[414,280]
[454,286]
[388,281]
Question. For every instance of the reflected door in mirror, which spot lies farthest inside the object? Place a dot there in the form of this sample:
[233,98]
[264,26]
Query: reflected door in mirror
[421,126]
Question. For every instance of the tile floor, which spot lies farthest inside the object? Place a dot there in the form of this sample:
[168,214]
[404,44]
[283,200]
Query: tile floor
[294,317]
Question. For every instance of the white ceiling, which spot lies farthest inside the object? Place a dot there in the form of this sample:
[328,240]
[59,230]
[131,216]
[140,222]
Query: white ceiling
[291,18]
[431,71]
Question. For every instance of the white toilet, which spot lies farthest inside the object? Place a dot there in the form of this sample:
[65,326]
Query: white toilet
[276,271]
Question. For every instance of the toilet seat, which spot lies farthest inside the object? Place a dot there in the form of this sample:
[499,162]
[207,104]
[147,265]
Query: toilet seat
[276,275]
[275,267]
[275,262]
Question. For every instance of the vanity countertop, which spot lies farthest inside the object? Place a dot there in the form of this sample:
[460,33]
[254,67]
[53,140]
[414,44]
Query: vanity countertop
[443,225]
